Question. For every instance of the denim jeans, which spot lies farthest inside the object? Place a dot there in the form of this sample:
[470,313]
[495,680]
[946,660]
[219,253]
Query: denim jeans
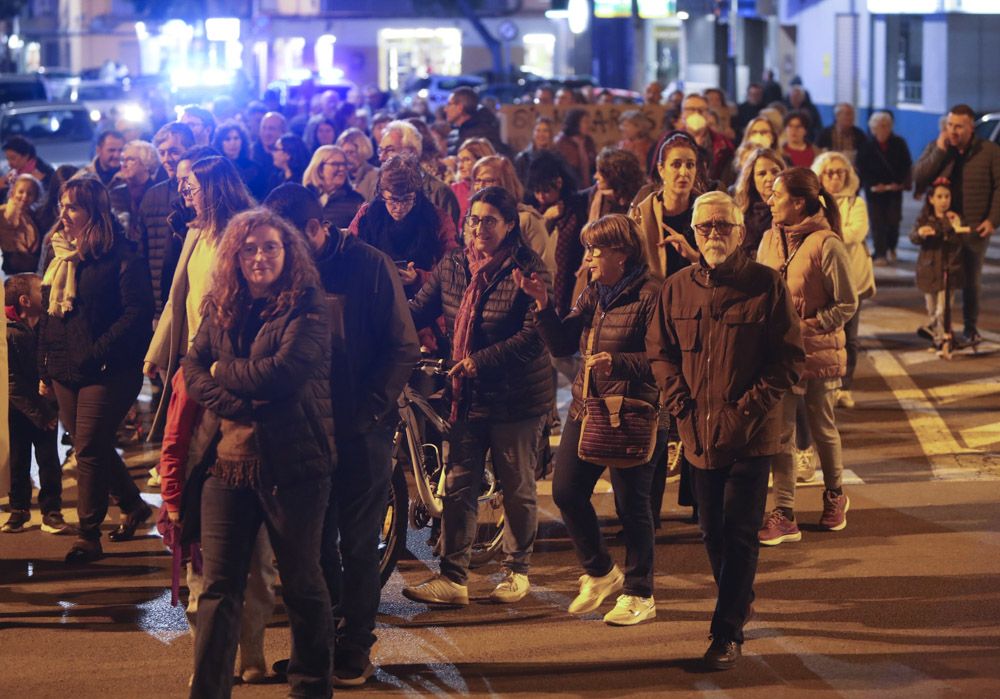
[92,414]
[350,555]
[514,446]
[819,402]
[572,489]
[231,518]
[730,511]
[23,436]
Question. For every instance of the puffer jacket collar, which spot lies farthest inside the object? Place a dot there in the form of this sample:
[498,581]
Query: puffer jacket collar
[725,273]
[795,234]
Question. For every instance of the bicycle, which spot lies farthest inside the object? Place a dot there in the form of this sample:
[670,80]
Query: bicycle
[415,452]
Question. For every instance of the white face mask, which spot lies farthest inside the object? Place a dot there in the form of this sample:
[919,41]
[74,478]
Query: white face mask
[759,139]
[696,123]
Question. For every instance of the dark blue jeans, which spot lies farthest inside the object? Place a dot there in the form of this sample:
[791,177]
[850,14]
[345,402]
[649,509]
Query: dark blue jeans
[350,555]
[730,511]
[23,436]
[572,489]
[230,520]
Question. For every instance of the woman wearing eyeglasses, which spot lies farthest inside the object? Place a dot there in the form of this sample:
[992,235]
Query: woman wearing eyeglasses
[498,171]
[99,302]
[327,177]
[291,157]
[260,368]
[212,179]
[469,153]
[608,325]
[233,141]
[358,149]
[404,224]
[839,178]
[501,393]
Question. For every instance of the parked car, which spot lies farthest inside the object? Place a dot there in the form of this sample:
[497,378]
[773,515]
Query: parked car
[988,127]
[62,132]
[436,88]
[106,99]
[16,87]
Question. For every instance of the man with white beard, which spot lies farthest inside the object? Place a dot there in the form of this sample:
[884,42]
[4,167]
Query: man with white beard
[724,347]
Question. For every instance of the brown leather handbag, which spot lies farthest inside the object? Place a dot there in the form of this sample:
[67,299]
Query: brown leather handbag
[617,432]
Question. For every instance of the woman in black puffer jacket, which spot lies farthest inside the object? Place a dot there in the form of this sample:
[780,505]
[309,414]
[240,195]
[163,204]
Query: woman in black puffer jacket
[608,324]
[100,318]
[263,453]
[501,392]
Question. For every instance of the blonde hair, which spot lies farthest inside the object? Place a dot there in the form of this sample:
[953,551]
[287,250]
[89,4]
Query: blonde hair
[852,184]
[311,174]
[506,176]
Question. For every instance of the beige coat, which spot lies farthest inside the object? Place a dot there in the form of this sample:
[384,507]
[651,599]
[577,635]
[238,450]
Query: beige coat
[171,335]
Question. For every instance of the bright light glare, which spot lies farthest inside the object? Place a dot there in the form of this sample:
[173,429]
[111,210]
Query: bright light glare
[95,114]
[222,29]
[132,112]
[682,15]
[579,16]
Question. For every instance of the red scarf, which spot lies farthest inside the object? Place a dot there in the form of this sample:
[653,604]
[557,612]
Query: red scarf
[482,268]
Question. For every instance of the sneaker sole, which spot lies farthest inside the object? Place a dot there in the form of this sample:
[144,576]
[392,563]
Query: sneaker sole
[632,621]
[618,586]
[56,531]
[435,603]
[797,536]
[21,530]
[843,524]
[501,599]
[354,681]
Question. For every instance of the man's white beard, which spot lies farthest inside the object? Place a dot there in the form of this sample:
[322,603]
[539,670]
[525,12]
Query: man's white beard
[714,256]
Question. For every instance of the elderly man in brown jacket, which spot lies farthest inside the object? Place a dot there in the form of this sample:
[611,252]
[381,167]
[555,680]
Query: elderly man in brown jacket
[724,347]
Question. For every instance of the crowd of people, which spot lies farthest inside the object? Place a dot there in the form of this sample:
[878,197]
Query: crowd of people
[276,279]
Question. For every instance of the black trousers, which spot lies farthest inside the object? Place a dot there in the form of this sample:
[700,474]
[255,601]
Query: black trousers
[572,489]
[973,256]
[23,436]
[230,520]
[92,414]
[350,555]
[885,212]
[730,512]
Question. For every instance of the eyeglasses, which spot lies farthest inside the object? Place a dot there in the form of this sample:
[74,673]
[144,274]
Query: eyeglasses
[487,222]
[269,250]
[481,182]
[466,159]
[401,202]
[129,159]
[838,172]
[724,228]
[189,191]
[387,151]
[593,251]
[336,164]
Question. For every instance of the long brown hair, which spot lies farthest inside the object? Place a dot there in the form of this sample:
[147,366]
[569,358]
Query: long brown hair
[802,183]
[222,192]
[89,193]
[229,296]
[746,187]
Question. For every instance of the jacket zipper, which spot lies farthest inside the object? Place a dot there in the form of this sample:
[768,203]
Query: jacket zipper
[708,378]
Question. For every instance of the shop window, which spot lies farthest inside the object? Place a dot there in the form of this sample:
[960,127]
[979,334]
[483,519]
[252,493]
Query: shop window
[910,61]
[539,54]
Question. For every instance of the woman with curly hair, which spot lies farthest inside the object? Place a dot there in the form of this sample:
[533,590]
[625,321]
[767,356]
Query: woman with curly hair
[99,302]
[619,177]
[260,368]
[753,189]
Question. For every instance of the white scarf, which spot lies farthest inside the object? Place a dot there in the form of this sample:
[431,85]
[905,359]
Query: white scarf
[61,275]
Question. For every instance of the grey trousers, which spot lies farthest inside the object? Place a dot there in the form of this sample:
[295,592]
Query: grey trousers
[514,446]
[819,401]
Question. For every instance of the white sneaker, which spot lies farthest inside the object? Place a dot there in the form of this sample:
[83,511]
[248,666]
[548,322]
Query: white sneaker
[438,590]
[631,610]
[806,461]
[593,591]
[845,399]
[512,588]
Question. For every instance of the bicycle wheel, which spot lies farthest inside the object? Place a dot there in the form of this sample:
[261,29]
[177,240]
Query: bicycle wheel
[490,521]
[392,538]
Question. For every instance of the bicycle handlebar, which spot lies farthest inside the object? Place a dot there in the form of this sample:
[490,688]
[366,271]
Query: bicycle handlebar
[433,367]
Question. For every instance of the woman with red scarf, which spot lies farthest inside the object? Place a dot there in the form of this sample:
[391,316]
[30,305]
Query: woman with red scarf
[501,392]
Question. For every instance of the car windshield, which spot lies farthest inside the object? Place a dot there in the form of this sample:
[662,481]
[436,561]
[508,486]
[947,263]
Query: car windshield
[48,125]
[21,91]
[984,129]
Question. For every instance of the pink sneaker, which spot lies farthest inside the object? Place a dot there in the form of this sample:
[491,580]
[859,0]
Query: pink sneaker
[777,529]
[835,509]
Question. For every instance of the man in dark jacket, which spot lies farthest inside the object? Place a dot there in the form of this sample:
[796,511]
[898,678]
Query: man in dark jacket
[171,142]
[724,347]
[400,137]
[374,350]
[469,120]
[842,136]
[108,158]
[972,165]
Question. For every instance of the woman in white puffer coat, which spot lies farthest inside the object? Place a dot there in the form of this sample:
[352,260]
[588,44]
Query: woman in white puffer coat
[840,179]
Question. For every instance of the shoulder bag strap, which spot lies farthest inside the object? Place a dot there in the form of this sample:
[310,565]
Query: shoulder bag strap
[586,372]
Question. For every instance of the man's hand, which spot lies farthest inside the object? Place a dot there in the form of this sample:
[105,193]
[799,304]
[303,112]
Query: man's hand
[942,141]
[600,363]
[408,275]
[466,367]
[985,229]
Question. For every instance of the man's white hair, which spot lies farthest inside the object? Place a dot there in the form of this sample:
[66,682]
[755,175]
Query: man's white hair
[716,198]
[411,137]
[146,153]
[877,117]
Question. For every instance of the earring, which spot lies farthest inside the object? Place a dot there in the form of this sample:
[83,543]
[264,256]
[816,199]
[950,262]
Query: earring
[621,265]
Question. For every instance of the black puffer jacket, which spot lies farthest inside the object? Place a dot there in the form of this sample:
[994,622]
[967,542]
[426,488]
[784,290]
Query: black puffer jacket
[282,388]
[157,236]
[514,380]
[620,329]
[110,326]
